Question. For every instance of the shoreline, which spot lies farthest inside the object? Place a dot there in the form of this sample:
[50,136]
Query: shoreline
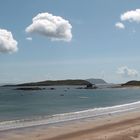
[94,113]
[123,126]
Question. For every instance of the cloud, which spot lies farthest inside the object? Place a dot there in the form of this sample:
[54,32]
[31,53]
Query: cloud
[7,43]
[50,26]
[119,25]
[124,71]
[131,16]
[29,38]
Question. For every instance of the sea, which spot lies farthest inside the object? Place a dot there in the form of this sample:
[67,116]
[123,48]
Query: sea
[56,104]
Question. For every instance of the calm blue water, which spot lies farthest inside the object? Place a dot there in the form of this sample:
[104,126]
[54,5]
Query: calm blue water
[15,104]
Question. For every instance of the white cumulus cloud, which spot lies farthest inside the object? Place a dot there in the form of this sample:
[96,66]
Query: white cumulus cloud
[119,25]
[124,71]
[131,16]
[50,26]
[7,43]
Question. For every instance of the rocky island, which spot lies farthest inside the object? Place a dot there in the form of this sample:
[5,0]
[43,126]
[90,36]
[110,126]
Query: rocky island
[55,83]
[131,84]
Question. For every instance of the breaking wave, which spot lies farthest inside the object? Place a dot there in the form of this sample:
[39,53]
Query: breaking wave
[57,118]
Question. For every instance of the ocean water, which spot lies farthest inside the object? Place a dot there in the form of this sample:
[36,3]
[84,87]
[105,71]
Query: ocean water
[28,108]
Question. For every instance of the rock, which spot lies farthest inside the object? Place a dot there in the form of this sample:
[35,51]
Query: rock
[51,88]
[29,88]
[90,86]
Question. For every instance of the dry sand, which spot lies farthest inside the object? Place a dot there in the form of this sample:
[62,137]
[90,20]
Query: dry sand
[119,127]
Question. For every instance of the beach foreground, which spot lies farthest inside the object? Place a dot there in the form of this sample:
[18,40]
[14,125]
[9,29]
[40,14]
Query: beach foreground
[112,127]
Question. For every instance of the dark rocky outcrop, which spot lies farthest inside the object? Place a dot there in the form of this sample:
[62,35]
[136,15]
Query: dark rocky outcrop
[90,86]
[29,88]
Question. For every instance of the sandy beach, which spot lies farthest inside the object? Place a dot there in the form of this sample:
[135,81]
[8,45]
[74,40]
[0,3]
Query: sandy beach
[117,127]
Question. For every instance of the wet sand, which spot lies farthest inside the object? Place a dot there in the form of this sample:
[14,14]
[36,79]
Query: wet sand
[112,127]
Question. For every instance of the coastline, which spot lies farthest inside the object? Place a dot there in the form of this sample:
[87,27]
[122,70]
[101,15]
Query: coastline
[118,122]
[123,126]
[94,113]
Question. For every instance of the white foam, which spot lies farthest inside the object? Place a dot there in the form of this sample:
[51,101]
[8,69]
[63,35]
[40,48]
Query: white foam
[96,112]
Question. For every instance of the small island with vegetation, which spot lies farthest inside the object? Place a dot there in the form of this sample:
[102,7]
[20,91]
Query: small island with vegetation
[89,84]
[131,84]
[54,83]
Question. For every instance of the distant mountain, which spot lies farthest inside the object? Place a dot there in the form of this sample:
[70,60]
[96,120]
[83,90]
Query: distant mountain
[96,81]
[132,83]
[55,83]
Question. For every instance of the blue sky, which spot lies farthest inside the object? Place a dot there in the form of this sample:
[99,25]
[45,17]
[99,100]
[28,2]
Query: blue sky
[97,49]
